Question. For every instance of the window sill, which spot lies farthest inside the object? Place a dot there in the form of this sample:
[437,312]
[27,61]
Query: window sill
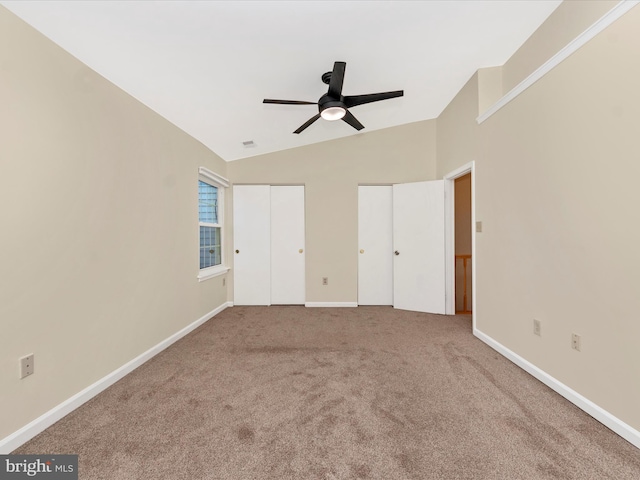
[212,272]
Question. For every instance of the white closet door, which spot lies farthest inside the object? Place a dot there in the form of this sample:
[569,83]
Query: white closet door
[418,240]
[251,245]
[287,245]
[375,245]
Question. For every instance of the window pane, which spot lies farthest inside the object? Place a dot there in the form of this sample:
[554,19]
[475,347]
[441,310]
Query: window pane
[210,251]
[207,203]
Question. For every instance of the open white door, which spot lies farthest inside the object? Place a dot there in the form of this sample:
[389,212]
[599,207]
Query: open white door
[251,245]
[287,245]
[375,245]
[419,246]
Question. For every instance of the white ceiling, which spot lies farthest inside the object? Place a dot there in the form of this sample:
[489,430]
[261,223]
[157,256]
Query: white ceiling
[206,66]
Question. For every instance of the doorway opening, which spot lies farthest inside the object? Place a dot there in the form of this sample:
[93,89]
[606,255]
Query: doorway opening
[460,240]
[463,257]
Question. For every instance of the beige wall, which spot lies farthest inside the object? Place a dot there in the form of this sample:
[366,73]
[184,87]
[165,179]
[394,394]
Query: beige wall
[99,226]
[457,131]
[490,88]
[556,170]
[331,172]
[557,244]
[570,19]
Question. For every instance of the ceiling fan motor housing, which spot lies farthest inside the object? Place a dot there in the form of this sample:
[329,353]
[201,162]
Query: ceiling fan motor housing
[327,102]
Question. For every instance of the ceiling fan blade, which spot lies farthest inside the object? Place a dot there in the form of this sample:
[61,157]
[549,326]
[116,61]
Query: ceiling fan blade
[307,123]
[337,79]
[353,100]
[288,102]
[353,121]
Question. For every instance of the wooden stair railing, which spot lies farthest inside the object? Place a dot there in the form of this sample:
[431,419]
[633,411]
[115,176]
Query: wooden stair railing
[465,259]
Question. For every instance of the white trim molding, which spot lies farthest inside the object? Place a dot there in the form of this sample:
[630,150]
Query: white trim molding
[26,433]
[207,273]
[213,176]
[603,22]
[331,304]
[626,431]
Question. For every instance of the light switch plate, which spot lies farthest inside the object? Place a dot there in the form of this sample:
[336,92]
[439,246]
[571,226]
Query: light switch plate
[26,366]
[478,226]
[576,341]
[537,327]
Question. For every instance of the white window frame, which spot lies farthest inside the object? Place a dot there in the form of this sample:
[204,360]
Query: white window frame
[212,178]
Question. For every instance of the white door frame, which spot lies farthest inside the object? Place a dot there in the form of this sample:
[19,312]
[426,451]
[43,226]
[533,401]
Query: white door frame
[450,238]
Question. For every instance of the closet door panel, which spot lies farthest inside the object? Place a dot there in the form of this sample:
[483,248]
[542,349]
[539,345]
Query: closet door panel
[251,245]
[419,246]
[375,245]
[287,245]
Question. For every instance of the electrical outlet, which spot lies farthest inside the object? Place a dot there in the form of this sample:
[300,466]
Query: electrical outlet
[479,227]
[26,366]
[325,280]
[537,327]
[576,341]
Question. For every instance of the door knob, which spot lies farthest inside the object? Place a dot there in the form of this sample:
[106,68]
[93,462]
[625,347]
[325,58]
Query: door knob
[237,251]
[300,251]
[397,252]
[361,250]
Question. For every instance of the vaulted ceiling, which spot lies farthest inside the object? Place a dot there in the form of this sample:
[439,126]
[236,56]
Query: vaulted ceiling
[206,66]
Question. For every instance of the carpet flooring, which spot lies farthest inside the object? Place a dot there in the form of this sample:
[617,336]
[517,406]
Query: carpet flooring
[319,393]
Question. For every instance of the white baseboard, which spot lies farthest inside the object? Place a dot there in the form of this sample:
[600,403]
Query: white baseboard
[331,304]
[621,428]
[26,433]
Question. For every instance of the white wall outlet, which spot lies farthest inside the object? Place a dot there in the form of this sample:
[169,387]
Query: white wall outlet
[537,327]
[26,365]
[576,341]
[325,280]
[479,227]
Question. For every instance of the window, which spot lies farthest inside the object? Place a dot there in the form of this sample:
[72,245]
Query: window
[210,254]
[210,221]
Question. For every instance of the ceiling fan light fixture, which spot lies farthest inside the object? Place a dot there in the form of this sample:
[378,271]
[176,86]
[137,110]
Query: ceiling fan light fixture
[333,113]
[333,105]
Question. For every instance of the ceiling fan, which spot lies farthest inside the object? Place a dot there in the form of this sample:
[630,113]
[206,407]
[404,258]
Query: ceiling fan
[333,105]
